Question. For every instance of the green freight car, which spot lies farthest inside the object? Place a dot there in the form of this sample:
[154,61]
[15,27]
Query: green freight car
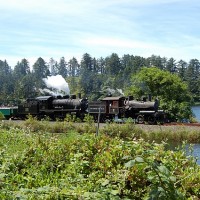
[8,112]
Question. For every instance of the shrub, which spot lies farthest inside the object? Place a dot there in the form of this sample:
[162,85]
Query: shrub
[1,116]
[74,166]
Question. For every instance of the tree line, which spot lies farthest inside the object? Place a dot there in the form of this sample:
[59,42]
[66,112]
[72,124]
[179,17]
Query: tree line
[92,77]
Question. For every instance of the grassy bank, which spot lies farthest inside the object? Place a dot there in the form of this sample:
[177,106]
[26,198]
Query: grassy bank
[171,134]
[37,163]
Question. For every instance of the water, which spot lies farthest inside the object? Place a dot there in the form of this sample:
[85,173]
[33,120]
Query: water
[196,152]
[196,111]
[196,147]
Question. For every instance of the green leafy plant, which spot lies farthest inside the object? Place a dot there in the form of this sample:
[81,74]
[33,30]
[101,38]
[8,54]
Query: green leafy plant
[1,116]
[39,165]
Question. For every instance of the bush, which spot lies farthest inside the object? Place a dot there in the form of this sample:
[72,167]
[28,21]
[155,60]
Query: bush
[1,116]
[74,166]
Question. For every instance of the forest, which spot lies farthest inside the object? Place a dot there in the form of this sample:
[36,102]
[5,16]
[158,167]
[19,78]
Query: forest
[96,77]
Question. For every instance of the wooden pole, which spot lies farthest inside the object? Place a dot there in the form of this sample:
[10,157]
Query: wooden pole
[98,121]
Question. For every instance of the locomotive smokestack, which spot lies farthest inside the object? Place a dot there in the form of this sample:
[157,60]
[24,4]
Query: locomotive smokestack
[130,98]
[73,96]
[149,97]
[79,95]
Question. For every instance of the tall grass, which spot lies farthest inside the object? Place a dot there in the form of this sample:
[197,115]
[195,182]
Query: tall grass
[125,131]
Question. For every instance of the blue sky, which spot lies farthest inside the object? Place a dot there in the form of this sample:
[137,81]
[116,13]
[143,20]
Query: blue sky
[70,28]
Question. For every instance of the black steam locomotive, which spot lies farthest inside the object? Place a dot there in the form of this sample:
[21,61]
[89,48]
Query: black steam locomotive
[108,109]
[120,108]
[53,107]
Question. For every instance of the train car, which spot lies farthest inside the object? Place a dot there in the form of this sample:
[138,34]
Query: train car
[9,112]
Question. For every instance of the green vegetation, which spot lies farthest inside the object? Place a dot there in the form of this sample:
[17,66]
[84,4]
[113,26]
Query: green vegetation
[64,160]
[129,130]
[171,91]
[1,116]
[75,164]
[93,76]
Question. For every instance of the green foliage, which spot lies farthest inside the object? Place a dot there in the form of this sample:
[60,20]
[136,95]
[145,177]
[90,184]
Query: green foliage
[92,75]
[74,84]
[61,68]
[88,126]
[193,77]
[113,64]
[40,71]
[70,118]
[73,166]
[169,88]
[123,131]
[88,119]
[1,116]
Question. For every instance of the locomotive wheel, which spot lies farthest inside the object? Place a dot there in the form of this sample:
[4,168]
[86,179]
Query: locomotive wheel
[151,120]
[140,119]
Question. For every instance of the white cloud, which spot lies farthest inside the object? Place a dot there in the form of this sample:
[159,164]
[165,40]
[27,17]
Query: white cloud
[56,28]
[106,45]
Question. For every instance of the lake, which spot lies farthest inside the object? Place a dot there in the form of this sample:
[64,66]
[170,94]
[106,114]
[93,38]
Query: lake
[196,147]
[196,152]
[196,111]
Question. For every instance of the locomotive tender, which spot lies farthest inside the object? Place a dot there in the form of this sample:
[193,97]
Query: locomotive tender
[108,109]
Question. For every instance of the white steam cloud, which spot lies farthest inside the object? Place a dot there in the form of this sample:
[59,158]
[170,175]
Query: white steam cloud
[113,91]
[120,91]
[56,85]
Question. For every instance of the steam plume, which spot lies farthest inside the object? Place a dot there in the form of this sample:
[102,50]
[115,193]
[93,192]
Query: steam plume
[56,85]
[115,92]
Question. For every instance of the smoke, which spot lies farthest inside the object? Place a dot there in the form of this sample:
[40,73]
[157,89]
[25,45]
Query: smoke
[120,91]
[111,91]
[115,92]
[56,85]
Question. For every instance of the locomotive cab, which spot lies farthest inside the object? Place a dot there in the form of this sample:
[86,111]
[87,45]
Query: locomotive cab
[115,106]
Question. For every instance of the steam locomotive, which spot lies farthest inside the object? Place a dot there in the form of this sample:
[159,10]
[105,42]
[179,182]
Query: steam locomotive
[53,107]
[120,108]
[108,109]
